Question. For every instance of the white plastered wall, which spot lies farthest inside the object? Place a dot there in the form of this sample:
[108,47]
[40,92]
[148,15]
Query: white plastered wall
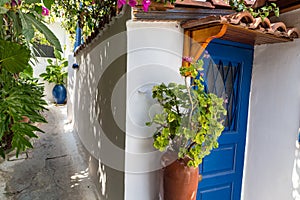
[41,63]
[99,89]
[272,160]
[154,56]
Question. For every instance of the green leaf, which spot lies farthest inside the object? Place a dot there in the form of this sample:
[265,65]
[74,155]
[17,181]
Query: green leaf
[48,3]
[2,2]
[3,10]
[50,61]
[17,25]
[13,57]
[38,9]
[148,123]
[1,24]
[52,39]
[276,12]
[32,1]
[27,28]
[171,117]
[57,54]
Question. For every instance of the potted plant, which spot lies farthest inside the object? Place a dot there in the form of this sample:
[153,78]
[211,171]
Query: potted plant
[56,73]
[188,127]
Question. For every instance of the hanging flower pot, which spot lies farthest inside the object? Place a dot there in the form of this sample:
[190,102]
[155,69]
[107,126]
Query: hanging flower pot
[59,93]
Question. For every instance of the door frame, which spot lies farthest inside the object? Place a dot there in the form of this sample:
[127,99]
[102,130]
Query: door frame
[189,46]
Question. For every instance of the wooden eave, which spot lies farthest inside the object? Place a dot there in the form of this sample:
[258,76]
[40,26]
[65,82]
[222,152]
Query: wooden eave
[198,34]
[178,13]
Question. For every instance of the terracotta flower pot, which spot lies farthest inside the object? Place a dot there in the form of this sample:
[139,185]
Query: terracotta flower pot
[180,182]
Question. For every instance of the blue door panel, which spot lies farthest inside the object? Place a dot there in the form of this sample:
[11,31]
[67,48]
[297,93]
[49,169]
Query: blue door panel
[219,191]
[227,73]
[220,160]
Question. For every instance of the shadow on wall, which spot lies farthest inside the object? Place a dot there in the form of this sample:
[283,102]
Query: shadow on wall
[95,120]
[102,63]
[296,173]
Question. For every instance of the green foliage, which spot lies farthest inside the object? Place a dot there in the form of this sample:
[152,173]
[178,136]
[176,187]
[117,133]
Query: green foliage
[191,120]
[18,23]
[48,3]
[91,14]
[42,28]
[20,96]
[263,12]
[13,56]
[55,71]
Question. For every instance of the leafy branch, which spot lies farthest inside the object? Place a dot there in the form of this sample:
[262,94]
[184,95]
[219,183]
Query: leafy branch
[263,12]
[55,71]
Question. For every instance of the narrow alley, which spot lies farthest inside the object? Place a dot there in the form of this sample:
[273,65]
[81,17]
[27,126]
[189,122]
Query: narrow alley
[56,168]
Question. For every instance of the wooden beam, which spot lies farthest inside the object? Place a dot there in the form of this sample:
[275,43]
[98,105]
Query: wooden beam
[288,9]
[201,38]
[186,46]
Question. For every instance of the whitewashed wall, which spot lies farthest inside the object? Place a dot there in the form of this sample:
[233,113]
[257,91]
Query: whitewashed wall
[41,62]
[99,101]
[272,163]
[154,56]
[63,37]
[38,68]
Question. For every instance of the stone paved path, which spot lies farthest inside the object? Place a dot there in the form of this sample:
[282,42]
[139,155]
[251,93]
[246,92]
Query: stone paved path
[56,169]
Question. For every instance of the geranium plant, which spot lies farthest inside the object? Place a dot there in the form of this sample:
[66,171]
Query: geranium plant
[190,122]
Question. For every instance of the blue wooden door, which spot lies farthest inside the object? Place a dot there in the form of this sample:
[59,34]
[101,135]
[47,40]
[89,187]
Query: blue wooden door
[227,73]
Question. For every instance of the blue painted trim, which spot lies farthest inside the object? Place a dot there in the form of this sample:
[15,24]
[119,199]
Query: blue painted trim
[231,43]
[240,53]
[78,38]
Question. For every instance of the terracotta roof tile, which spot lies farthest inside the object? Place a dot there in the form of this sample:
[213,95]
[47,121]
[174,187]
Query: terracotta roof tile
[246,23]
[293,32]
[220,3]
[194,3]
[284,5]
[210,3]
[279,26]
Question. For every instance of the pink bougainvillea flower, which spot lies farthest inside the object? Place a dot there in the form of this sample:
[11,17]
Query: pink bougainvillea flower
[225,100]
[187,59]
[121,3]
[146,4]
[45,11]
[132,3]
[13,3]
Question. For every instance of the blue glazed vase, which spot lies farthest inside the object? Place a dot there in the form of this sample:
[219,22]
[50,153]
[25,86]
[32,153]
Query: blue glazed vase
[59,93]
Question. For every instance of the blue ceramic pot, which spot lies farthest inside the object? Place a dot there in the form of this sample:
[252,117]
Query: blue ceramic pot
[59,93]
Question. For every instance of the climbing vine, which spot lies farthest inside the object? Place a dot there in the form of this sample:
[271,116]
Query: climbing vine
[263,12]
